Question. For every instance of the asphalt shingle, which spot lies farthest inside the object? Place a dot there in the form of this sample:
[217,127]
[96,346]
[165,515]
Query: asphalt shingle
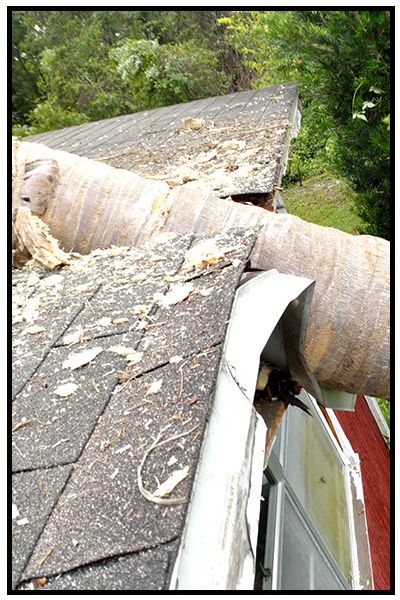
[147,570]
[126,427]
[33,496]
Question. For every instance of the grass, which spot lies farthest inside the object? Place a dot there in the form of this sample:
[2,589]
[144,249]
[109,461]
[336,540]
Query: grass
[384,405]
[326,200]
[323,199]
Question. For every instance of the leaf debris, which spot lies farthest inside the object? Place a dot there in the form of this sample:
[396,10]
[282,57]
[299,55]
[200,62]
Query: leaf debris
[155,387]
[74,361]
[165,488]
[176,294]
[66,389]
[73,338]
[130,354]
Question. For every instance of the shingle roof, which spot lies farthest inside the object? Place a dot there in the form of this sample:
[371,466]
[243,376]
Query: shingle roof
[240,148]
[80,516]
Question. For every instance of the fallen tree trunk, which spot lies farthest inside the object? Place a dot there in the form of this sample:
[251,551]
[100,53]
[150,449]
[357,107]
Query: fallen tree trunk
[87,205]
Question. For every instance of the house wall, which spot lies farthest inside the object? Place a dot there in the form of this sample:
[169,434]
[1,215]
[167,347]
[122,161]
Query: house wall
[366,439]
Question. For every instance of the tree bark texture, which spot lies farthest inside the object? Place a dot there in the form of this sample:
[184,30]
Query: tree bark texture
[87,205]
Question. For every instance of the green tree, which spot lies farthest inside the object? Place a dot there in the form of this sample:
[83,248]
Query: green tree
[75,66]
[75,80]
[170,73]
[341,60]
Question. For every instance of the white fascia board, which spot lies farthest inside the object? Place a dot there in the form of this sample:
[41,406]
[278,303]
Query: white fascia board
[218,544]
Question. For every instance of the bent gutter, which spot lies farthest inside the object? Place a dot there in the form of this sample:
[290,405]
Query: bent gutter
[218,545]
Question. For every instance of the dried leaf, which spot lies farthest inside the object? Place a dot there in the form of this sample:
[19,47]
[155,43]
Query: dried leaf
[121,350]
[176,294]
[104,321]
[130,353]
[155,387]
[66,390]
[207,156]
[206,291]
[73,338]
[139,278]
[74,361]
[119,320]
[31,310]
[33,329]
[170,484]
[175,359]
[141,309]
[83,287]
[232,144]
[134,358]
[172,278]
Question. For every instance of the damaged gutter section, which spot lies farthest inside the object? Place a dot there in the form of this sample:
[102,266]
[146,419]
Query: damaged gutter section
[222,521]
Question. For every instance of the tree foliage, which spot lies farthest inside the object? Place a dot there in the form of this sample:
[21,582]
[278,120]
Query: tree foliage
[70,67]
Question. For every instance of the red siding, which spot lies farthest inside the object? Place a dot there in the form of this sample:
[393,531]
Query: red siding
[364,435]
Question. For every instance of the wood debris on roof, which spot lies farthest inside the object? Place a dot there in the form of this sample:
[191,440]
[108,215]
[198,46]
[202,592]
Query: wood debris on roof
[235,145]
[105,449]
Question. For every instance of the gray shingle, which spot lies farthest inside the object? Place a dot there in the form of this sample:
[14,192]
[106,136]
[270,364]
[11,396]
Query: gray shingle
[33,495]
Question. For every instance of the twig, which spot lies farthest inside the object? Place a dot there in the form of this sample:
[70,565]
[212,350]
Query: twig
[148,495]
[241,388]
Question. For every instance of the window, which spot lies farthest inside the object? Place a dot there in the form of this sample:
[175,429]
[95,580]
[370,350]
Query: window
[305,533]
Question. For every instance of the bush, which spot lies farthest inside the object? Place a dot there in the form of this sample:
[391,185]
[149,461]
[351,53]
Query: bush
[48,115]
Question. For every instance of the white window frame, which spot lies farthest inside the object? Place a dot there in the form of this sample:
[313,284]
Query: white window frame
[361,571]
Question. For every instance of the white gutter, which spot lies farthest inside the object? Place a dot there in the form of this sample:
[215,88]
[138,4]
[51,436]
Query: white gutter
[218,544]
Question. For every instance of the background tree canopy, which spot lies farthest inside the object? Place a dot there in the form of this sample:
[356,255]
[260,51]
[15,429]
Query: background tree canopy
[71,67]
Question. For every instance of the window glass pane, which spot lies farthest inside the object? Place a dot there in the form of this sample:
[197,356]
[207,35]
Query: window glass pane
[302,565]
[314,471]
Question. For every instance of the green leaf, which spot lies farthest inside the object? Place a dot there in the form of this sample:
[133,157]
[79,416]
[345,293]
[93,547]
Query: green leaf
[375,90]
[368,105]
[386,120]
